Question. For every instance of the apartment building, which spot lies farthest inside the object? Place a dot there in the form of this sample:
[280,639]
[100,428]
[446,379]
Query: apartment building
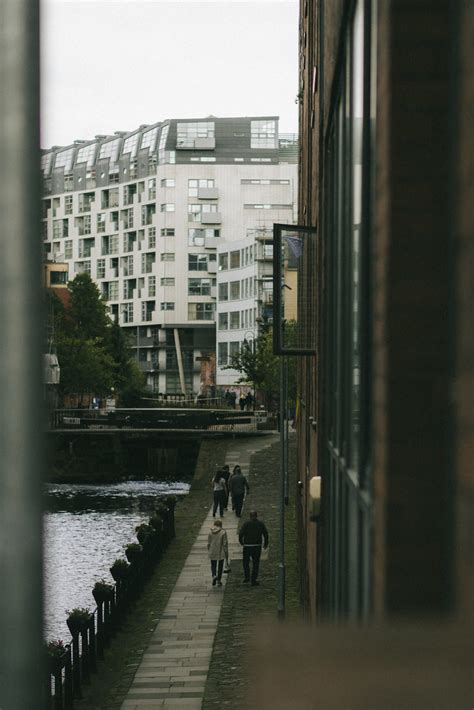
[173,222]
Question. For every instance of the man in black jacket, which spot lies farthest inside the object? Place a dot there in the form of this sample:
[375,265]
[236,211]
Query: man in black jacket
[238,485]
[250,536]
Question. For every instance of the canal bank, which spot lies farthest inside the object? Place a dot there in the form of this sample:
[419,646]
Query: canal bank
[229,673]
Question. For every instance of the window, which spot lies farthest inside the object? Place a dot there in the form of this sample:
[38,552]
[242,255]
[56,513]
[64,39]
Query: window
[167,232]
[197,237]
[263,134]
[224,292]
[68,249]
[222,354]
[113,290]
[149,139]
[167,281]
[68,204]
[223,321]
[147,263]
[127,312]
[187,133]
[129,191]
[203,159]
[151,237]
[167,256]
[85,201]
[167,207]
[223,262]
[110,198]
[127,218]
[60,228]
[197,262]
[147,213]
[101,222]
[130,145]
[147,309]
[86,154]
[113,244]
[235,259]
[128,288]
[234,348]
[110,150]
[199,287]
[267,207]
[264,182]
[58,277]
[234,320]
[152,285]
[127,265]
[167,306]
[234,290]
[82,267]
[195,211]
[168,182]
[200,311]
[162,154]
[64,160]
[194,185]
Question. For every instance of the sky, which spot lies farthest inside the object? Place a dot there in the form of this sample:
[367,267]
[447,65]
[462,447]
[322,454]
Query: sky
[112,65]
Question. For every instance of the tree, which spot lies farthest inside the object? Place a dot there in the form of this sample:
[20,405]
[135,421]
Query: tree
[260,367]
[86,367]
[88,310]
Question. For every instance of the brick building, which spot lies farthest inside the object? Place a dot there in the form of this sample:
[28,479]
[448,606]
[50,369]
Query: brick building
[386,416]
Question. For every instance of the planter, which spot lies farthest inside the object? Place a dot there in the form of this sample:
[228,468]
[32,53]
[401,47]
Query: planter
[76,626]
[57,663]
[119,572]
[103,595]
[133,553]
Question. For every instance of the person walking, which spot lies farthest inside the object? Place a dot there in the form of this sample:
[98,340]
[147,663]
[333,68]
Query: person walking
[218,550]
[251,534]
[238,487]
[242,402]
[226,475]
[220,493]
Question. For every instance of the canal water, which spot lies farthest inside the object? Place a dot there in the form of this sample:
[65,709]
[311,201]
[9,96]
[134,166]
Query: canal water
[86,528]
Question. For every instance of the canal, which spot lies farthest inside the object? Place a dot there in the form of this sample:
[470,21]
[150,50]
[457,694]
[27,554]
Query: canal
[86,528]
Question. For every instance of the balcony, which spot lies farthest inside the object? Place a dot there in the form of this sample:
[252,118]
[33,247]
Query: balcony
[208,193]
[211,218]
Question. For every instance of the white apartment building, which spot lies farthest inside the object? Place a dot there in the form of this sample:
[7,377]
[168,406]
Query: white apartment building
[171,222]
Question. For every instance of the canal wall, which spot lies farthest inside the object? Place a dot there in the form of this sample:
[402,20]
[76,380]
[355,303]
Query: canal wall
[116,456]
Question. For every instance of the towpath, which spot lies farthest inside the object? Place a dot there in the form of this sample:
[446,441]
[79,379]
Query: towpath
[175,665]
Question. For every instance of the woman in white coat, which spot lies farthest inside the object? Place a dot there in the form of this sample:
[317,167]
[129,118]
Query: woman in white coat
[218,549]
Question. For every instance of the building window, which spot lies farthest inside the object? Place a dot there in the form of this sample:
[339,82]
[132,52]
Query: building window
[235,320]
[127,265]
[113,290]
[64,160]
[127,312]
[68,204]
[110,150]
[167,306]
[263,134]
[148,308]
[167,281]
[199,287]
[101,222]
[127,218]
[147,213]
[224,292]
[101,268]
[149,139]
[130,145]
[197,237]
[235,259]
[168,182]
[223,262]
[197,262]
[167,256]
[187,133]
[222,354]
[234,349]
[234,290]
[223,321]
[167,232]
[194,185]
[195,211]
[151,237]
[68,249]
[147,263]
[167,207]
[152,285]
[200,311]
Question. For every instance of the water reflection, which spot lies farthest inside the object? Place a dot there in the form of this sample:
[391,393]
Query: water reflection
[86,529]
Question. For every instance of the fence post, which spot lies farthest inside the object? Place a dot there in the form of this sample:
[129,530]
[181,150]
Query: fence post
[85,654]
[68,687]
[76,666]
[92,645]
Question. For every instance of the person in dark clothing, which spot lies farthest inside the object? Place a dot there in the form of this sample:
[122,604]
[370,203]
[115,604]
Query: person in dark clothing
[226,474]
[249,402]
[251,535]
[238,486]
[220,492]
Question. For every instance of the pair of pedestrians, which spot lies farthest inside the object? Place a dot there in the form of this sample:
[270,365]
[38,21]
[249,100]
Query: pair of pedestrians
[225,483]
[252,535]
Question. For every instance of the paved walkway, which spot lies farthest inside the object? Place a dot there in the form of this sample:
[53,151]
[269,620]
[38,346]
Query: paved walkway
[174,667]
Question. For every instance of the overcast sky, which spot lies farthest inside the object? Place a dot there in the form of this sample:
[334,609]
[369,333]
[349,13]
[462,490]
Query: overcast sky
[111,65]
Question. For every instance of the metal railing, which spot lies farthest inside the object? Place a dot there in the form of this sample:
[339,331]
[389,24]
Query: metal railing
[68,673]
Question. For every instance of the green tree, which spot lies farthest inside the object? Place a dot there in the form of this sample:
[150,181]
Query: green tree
[88,310]
[260,367]
[86,366]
